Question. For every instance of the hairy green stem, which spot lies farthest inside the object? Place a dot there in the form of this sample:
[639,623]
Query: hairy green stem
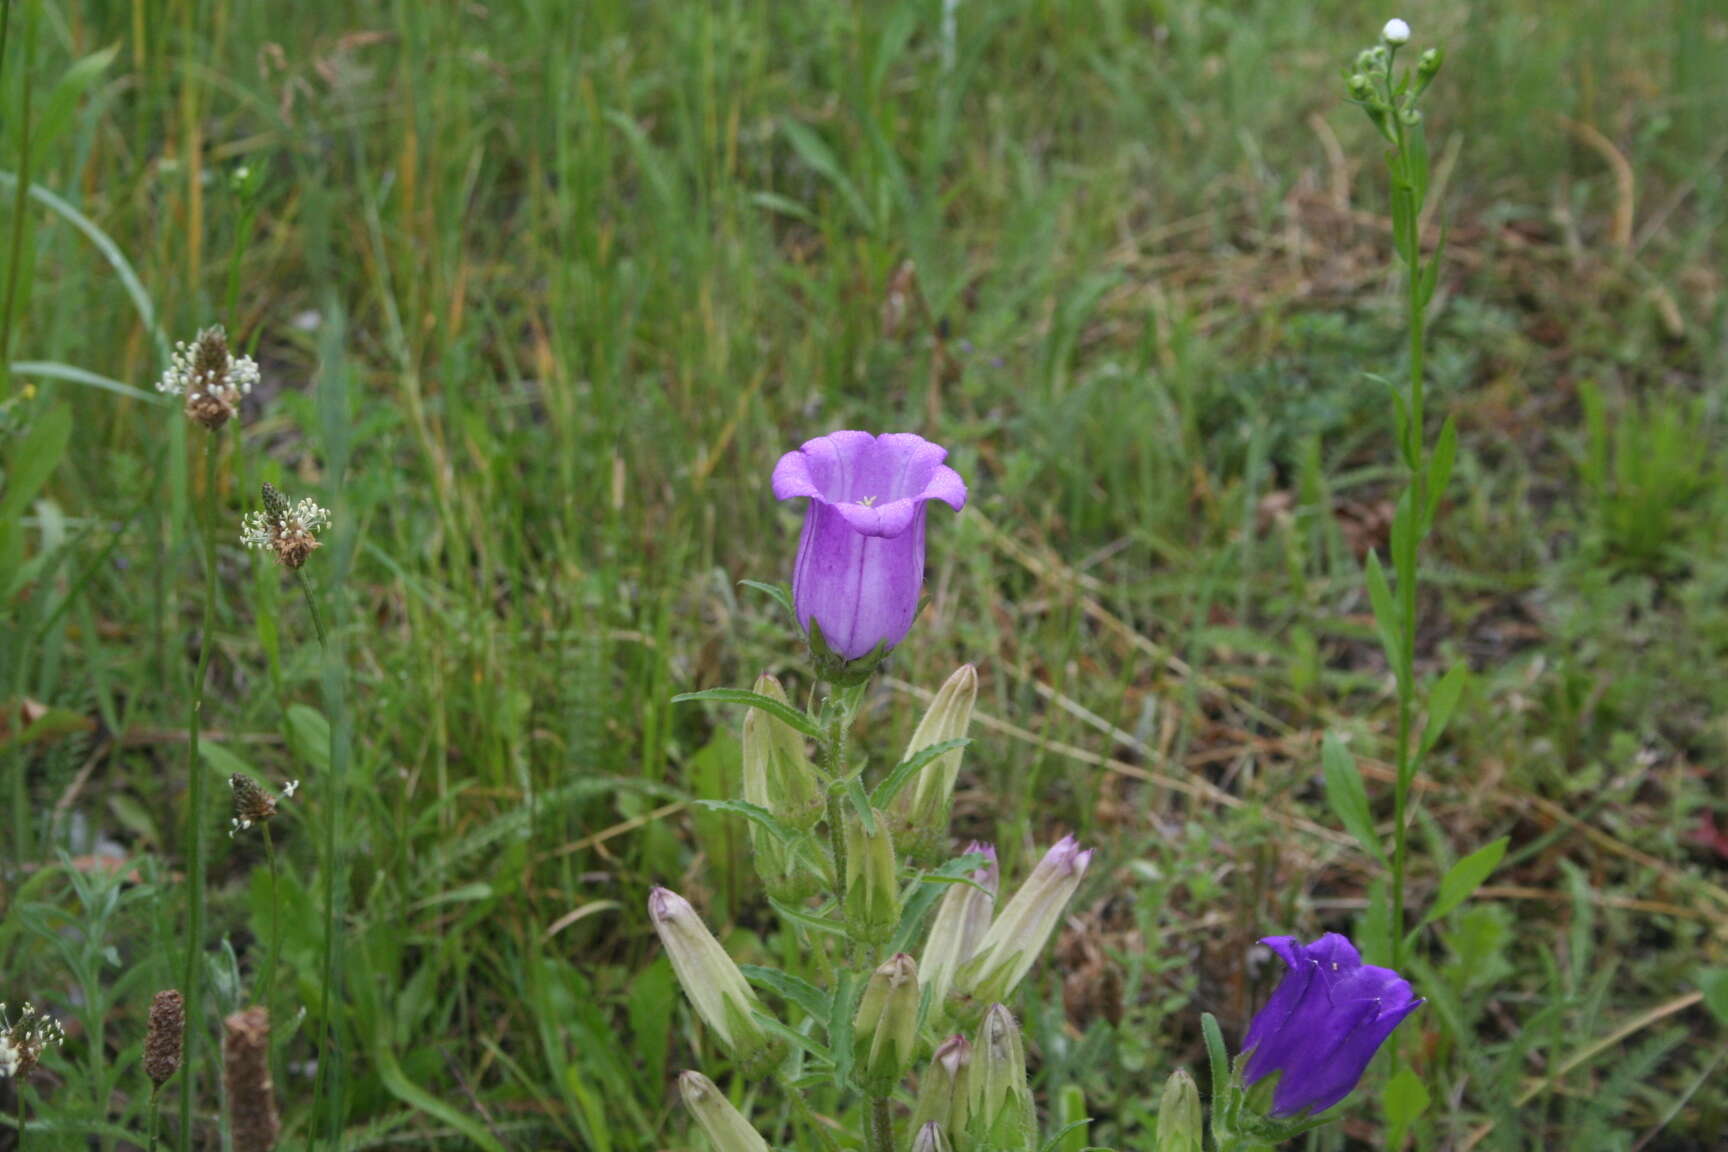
[194,848]
[881,1125]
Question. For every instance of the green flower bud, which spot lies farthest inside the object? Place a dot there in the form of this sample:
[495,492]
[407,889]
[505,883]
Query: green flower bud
[885,1031]
[778,775]
[942,1090]
[711,981]
[931,1139]
[1002,1116]
[1179,1125]
[724,1125]
[1361,88]
[872,882]
[919,811]
[1429,63]
[1013,942]
[962,919]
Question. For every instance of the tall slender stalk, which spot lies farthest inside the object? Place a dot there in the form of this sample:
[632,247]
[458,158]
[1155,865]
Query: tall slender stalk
[15,260]
[1408,192]
[195,817]
[268,992]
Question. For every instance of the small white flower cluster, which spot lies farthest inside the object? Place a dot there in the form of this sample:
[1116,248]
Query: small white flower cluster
[292,536]
[183,377]
[22,1043]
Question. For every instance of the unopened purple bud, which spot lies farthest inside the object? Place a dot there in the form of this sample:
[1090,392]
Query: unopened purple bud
[944,1087]
[1020,932]
[930,1138]
[962,920]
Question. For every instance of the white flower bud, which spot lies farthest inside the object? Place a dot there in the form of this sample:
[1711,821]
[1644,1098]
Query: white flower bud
[1396,33]
[710,979]
[962,919]
[1013,942]
[725,1126]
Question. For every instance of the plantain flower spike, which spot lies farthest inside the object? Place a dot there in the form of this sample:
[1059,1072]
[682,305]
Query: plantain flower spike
[289,531]
[919,811]
[209,377]
[710,979]
[885,1031]
[724,1125]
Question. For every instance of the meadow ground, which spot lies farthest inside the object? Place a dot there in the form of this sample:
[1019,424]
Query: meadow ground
[540,291]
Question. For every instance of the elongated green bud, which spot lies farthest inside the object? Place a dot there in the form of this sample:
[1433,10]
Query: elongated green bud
[725,1126]
[885,1031]
[777,772]
[919,811]
[1002,1117]
[930,1138]
[1020,932]
[942,1090]
[1179,1125]
[778,776]
[872,881]
[962,919]
[711,981]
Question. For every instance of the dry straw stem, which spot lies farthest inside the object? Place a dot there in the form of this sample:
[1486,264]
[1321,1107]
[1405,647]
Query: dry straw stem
[246,1080]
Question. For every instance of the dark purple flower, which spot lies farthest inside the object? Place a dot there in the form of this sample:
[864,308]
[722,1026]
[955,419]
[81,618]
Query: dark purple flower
[860,563]
[1328,1017]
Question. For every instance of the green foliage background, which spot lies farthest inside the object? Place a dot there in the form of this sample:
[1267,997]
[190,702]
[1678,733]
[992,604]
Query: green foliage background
[556,283]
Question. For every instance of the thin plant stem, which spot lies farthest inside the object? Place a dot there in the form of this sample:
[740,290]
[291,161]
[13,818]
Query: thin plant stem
[835,757]
[231,298]
[881,1125]
[196,801]
[1406,563]
[15,260]
[19,1145]
[155,1121]
[311,604]
[268,994]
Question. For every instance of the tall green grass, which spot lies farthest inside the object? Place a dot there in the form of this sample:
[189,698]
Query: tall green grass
[541,290]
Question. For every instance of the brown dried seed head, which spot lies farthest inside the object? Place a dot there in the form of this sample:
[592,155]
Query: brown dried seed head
[246,1080]
[162,1041]
[252,805]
